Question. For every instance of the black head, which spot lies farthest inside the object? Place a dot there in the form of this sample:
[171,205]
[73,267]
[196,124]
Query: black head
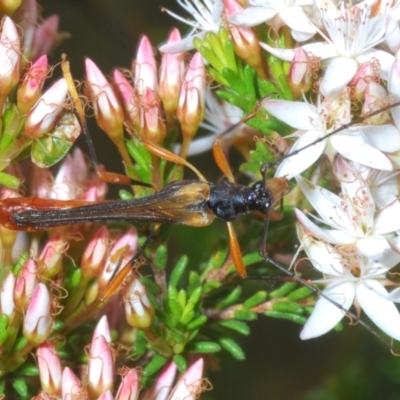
[259,198]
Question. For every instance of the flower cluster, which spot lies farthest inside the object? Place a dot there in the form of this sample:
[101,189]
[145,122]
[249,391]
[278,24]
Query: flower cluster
[292,77]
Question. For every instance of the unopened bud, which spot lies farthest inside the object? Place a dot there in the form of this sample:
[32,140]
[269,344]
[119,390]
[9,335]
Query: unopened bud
[300,73]
[365,74]
[26,284]
[375,99]
[49,364]
[145,67]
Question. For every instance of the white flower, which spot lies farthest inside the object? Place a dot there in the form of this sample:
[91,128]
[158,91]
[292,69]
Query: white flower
[350,279]
[365,144]
[277,13]
[350,41]
[208,18]
[352,216]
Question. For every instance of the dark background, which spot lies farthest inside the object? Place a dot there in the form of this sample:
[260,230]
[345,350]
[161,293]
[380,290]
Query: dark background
[349,365]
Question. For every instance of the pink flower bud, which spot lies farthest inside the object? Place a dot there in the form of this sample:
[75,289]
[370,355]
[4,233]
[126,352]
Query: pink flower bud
[189,385]
[102,329]
[163,384]
[45,37]
[38,320]
[375,98]
[245,41]
[10,53]
[100,369]
[365,74]
[107,110]
[145,67]
[191,107]
[121,253]
[129,100]
[7,305]
[72,387]
[129,387]
[139,311]
[49,364]
[44,114]
[50,259]
[152,125]
[171,76]
[25,285]
[95,254]
[300,73]
[30,89]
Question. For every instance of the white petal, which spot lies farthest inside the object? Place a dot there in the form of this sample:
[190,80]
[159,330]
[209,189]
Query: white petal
[297,114]
[339,73]
[373,298]
[354,147]
[327,204]
[392,34]
[333,236]
[383,137]
[394,89]
[394,295]
[323,256]
[385,60]
[388,219]
[322,50]
[296,19]
[373,247]
[185,44]
[298,163]
[326,315]
[253,16]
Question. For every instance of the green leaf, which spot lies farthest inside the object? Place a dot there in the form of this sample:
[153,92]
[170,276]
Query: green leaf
[246,315]
[180,363]
[29,370]
[9,181]
[256,299]
[288,316]
[237,326]
[234,81]
[232,347]
[300,293]
[178,271]
[287,306]
[249,81]
[203,347]
[155,364]
[21,387]
[232,297]
[160,260]
[286,288]
[197,322]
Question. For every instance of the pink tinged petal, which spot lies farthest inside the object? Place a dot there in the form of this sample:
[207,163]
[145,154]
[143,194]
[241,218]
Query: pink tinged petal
[338,74]
[374,247]
[51,257]
[297,114]
[49,364]
[10,51]
[384,137]
[163,384]
[373,299]
[100,373]
[394,89]
[38,320]
[45,37]
[323,256]
[322,50]
[298,163]
[108,112]
[103,329]
[385,60]
[189,385]
[42,118]
[129,387]
[7,305]
[388,220]
[26,283]
[326,315]
[106,396]
[72,387]
[145,67]
[95,254]
[253,16]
